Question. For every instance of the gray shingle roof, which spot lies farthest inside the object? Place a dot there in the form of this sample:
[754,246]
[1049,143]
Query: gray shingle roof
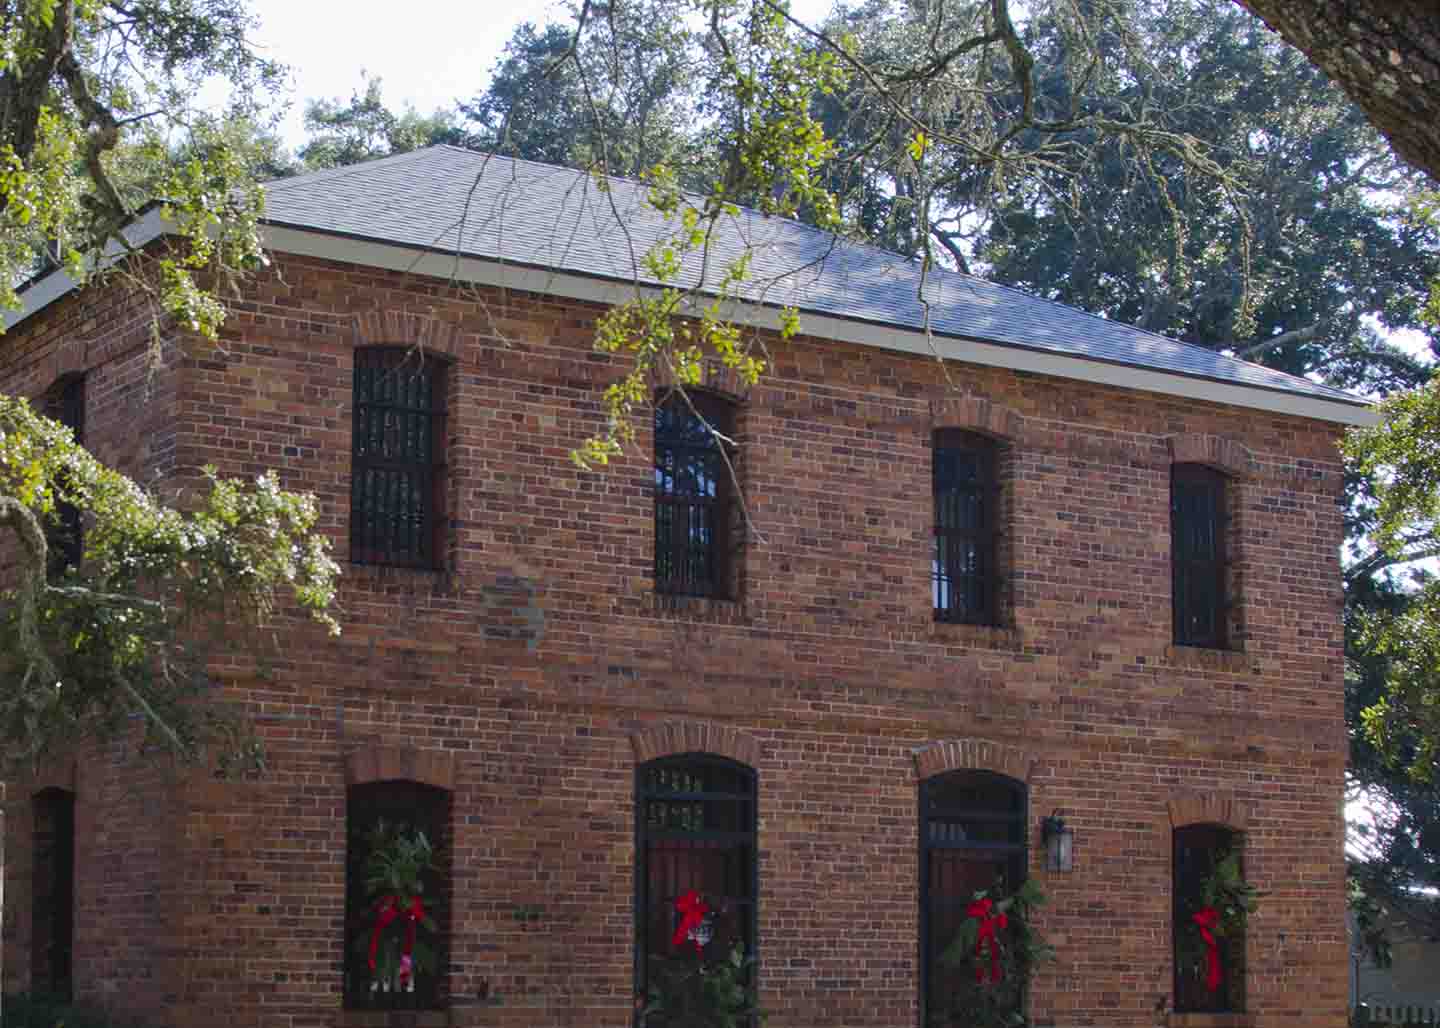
[477,205]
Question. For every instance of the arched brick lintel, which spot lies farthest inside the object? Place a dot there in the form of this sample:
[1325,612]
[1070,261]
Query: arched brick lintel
[63,775]
[973,755]
[376,763]
[976,414]
[1212,450]
[715,378]
[401,328]
[1208,809]
[671,738]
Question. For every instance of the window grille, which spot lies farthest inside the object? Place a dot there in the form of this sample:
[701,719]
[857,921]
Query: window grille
[52,912]
[397,486]
[972,838]
[411,806]
[1197,546]
[964,575]
[64,537]
[695,830]
[1198,850]
[692,497]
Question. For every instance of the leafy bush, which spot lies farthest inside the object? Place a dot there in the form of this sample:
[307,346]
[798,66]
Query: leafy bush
[27,1010]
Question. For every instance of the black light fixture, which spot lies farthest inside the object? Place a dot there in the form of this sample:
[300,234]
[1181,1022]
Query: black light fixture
[1059,843]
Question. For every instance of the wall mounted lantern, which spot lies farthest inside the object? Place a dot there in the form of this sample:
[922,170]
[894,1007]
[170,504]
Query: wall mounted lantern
[1059,843]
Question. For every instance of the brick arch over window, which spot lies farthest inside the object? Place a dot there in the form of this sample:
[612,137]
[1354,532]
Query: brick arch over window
[976,414]
[1224,455]
[715,378]
[672,738]
[400,328]
[377,763]
[1208,809]
[973,755]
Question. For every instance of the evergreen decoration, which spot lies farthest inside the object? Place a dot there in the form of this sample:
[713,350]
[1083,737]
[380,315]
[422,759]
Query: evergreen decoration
[989,970]
[399,930]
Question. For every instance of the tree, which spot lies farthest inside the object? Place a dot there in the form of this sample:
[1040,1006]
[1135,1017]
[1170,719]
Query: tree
[127,631]
[1385,55]
[94,100]
[365,128]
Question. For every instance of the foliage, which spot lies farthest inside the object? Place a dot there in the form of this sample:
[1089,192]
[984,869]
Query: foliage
[397,862]
[127,635]
[696,993]
[363,129]
[92,92]
[1233,899]
[976,1000]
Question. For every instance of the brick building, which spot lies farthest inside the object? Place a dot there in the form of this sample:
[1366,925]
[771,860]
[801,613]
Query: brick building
[1078,568]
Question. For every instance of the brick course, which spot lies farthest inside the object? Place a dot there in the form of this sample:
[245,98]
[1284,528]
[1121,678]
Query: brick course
[537,668]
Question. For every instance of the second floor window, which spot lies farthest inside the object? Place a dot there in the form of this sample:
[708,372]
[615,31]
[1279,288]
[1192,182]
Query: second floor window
[397,483]
[1197,552]
[64,538]
[964,574]
[692,497]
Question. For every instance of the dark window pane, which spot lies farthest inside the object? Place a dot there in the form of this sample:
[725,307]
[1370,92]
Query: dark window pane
[972,839]
[1197,543]
[411,807]
[398,467]
[1198,851]
[964,576]
[696,832]
[52,911]
[64,536]
[691,497]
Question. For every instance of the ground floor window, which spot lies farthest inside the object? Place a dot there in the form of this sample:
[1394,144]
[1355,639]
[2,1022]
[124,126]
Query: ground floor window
[396,896]
[52,912]
[972,845]
[1209,972]
[695,888]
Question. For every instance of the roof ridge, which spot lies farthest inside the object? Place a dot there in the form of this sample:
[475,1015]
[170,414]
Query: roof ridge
[344,171]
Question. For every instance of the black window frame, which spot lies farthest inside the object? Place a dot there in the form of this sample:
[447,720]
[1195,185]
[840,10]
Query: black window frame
[683,772]
[959,596]
[1199,558]
[399,444]
[681,567]
[65,535]
[52,876]
[414,805]
[1195,851]
[1013,854]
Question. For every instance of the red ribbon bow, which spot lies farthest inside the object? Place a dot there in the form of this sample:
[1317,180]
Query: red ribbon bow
[1208,918]
[692,910]
[387,909]
[989,924]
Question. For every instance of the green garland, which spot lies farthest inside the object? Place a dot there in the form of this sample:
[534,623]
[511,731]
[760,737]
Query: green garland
[397,860]
[974,999]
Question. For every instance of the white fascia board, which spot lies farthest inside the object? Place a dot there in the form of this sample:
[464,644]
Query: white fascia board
[42,292]
[885,337]
[368,253]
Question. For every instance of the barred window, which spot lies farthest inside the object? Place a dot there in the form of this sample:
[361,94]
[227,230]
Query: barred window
[972,838]
[1197,549]
[52,897]
[692,497]
[964,572]
[64,536]
[1199,850]
[397,486]
[391,816]
[695,833]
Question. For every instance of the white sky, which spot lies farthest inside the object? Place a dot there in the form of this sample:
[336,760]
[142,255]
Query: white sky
[428,53]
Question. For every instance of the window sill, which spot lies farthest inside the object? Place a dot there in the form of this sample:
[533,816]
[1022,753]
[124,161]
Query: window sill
[982,637]
[698,608]
[1208,659]
[395,1019]
[1175,1020]
[379,577]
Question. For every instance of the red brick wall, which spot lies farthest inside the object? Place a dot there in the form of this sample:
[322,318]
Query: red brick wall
[540,659]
